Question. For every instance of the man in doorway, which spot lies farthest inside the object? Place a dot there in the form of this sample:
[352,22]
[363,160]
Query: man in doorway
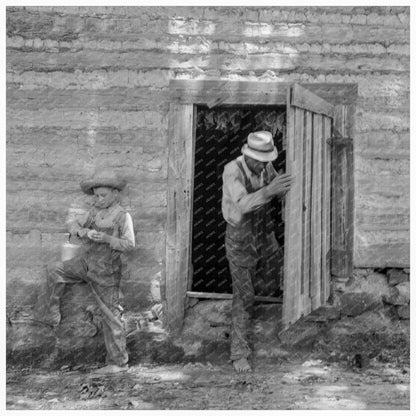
[106,232]
[249,184]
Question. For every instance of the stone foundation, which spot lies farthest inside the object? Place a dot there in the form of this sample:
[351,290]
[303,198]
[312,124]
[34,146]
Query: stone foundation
[374,305]
[375,289]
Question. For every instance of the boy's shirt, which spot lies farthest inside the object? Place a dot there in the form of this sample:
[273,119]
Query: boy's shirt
[105,218]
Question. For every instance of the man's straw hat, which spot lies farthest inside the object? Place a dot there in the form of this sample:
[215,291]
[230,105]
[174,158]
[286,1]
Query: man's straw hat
[260,146]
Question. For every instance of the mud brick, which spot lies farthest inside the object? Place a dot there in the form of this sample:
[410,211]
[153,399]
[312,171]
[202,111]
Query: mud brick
[396,276]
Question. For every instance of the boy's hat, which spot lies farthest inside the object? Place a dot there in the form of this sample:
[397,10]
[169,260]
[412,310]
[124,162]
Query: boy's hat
[107,179]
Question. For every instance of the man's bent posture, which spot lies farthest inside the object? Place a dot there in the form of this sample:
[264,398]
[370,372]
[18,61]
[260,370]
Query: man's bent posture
[249,184]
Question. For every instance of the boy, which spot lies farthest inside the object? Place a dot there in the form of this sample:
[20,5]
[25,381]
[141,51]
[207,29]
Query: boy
[106,232]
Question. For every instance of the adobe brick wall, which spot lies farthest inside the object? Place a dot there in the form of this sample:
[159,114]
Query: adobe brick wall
[88,87]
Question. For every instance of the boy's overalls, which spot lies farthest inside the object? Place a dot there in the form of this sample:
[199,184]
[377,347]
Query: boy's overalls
[99,266]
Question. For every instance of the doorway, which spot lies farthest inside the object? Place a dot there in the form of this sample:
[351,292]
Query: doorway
[220,134]
[319,125]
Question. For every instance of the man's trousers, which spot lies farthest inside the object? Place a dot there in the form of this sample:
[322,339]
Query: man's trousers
[255,264]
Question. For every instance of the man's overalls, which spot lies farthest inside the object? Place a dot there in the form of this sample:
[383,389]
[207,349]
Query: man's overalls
[100,267]
[255,259]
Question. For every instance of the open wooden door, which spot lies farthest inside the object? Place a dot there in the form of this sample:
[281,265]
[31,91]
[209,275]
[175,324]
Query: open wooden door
[307,210]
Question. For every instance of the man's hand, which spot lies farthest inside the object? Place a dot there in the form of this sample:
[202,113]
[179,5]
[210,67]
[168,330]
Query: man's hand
[280,185]
[98,236]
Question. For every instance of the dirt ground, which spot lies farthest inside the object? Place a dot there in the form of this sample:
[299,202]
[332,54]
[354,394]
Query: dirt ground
[298,382]
[321,362]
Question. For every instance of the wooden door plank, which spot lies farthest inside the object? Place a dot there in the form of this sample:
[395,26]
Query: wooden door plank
[180,168]
[326,211]
[293,228]
[306,214]
[303,98]
[299,135]
[316,214]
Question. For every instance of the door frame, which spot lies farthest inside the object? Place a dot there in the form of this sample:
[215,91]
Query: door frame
[185,95]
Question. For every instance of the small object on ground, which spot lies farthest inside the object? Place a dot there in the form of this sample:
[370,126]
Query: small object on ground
[90,390]
[312,363]
[242,365]
[360,360]
[55,400]
[111,369]
[139,404]
[153,380]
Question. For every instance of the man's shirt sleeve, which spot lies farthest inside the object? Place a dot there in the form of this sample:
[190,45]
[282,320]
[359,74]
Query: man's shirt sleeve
[233,182]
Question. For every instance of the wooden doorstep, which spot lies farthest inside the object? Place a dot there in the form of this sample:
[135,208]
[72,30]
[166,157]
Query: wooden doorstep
[205,295]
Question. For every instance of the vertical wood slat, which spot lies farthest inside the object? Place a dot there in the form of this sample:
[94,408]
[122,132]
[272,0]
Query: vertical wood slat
[336,228]
[293,227]
[306,214]
[342,215]
[180,176]
[326,211]
[299,136]
[189,151]
[316,214]
[349,179]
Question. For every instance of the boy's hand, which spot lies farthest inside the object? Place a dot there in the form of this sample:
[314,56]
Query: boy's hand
[98,236]
[83,232]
